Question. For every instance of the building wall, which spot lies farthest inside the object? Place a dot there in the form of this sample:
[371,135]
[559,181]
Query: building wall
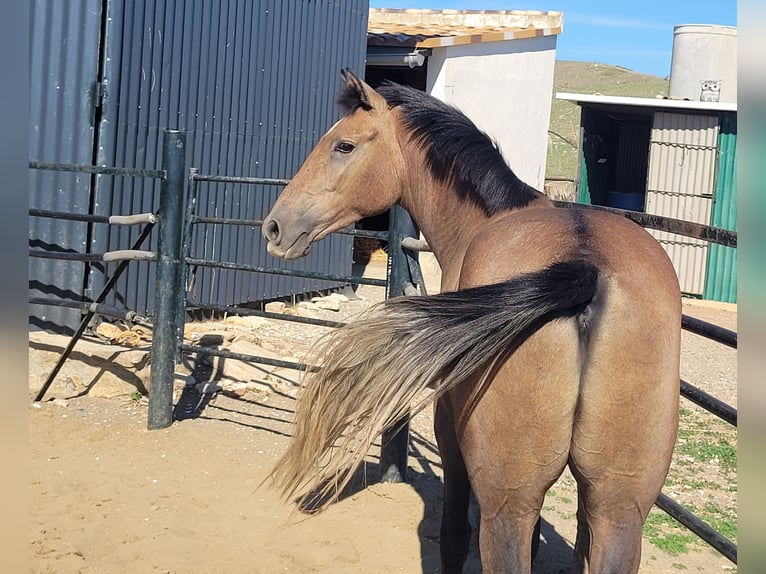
[721,276]
[63,49]
[253,84]
[505,88]
[691,177]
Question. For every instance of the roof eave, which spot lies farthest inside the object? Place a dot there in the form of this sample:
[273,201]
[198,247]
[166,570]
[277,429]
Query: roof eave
[664,103]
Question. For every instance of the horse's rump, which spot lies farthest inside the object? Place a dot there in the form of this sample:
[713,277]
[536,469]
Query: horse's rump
[375,370]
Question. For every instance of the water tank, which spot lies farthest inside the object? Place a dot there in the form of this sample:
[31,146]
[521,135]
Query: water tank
[704,64]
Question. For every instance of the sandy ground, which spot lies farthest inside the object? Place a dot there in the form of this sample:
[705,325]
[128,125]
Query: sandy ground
[107,495]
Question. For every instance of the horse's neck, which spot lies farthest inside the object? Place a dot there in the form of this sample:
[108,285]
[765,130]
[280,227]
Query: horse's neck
[448,224]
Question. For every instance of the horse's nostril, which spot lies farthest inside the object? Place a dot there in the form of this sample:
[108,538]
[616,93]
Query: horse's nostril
[271,230]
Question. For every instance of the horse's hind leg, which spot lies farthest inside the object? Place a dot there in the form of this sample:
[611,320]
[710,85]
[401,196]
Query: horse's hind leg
[608,540]
[624,434]
[455,531]
[516,442]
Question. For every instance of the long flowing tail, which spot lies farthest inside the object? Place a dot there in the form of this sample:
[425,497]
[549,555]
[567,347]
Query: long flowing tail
[374,371]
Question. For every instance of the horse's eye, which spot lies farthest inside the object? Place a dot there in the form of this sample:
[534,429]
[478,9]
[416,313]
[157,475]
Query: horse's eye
[344,147]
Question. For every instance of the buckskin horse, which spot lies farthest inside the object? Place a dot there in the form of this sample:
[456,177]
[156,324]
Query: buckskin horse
[555,339]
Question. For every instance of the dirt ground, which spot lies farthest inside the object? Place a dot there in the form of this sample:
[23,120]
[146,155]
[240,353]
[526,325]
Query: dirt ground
[107,495]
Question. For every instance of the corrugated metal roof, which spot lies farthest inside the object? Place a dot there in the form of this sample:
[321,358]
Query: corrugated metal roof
[440,28]
[648,102]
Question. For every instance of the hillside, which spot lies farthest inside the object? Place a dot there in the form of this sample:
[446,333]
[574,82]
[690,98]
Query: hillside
[587,78]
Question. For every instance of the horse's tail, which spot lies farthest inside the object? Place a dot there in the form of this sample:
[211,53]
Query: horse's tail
[376,370]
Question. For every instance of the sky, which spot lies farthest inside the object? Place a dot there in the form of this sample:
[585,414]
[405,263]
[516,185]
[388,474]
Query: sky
[634,34]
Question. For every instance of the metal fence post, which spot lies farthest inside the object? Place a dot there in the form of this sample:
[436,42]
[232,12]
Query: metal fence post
[186,239]
[394,444]
[167,278]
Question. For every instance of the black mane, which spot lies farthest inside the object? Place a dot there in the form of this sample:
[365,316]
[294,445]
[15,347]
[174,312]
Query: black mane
[458,152]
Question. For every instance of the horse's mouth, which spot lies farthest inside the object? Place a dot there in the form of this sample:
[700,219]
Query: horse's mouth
[297,249]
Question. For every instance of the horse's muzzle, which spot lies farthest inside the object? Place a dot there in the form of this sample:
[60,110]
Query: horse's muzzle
[280,245]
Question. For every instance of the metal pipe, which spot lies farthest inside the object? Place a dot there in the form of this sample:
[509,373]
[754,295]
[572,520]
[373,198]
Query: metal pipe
[97,169]
[709,330]
[235,179]
[255,313]
[725,546]
[96,308]
[118,255]
[186,241]
[137,219]
[687,228]
[287,272]
[91,218]
[252,358]
[709,403]
[395,440]
[415,244]
[259,222]
[166,333]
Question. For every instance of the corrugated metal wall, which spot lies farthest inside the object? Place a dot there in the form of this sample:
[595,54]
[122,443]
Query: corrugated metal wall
[64,49]
[253,83]
[721,277]
[682,164]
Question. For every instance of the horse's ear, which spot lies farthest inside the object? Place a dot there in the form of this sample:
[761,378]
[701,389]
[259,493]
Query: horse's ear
[355,93]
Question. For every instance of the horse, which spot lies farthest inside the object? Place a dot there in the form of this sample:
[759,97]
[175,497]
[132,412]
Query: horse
[554,341]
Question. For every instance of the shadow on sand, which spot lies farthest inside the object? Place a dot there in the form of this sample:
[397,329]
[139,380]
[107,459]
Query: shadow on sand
[554,555]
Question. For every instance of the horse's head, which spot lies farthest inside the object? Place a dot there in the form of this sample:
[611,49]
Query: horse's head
[350,174]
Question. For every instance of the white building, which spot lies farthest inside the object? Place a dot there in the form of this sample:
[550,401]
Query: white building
[496,66]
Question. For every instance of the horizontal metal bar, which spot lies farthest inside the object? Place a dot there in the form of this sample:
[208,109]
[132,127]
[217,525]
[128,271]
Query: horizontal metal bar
[353,279]
[722,544]
[135,219]
[95,308]
[191,305]
[709,330]
[233,179]
[259,222]
[118,255]
[415,244]
[98,169]
[383,235]
[709,403]
[69,216]
[674,193]
[227,221]
[687,228]
[250,358]
[65,256]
